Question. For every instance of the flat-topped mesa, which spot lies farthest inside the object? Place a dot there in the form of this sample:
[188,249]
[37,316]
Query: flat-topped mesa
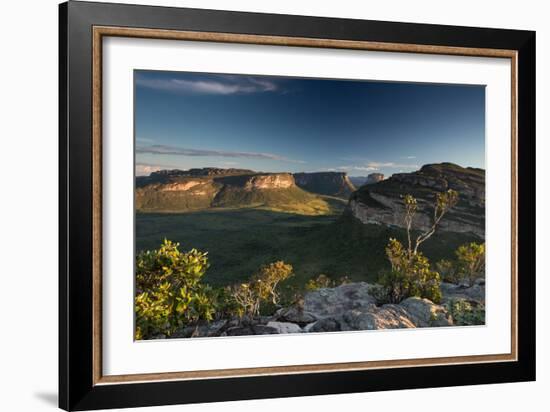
[382,203]
[199,189]
[192,179]
[326,183]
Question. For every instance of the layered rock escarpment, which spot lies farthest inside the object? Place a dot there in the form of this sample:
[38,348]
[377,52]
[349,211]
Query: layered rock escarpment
[335,184]
[198,189]
[381,203]
[270,181]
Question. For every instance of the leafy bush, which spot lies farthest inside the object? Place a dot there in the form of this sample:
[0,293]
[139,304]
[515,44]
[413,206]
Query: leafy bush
[262,288]
[320,282]
[410,275]
[471,261]
[468,266]
[448,271]
[169,294]
[226,306]
[466,313]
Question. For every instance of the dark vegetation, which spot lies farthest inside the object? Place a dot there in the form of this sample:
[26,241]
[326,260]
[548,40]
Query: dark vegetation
[171,294]
[240,241]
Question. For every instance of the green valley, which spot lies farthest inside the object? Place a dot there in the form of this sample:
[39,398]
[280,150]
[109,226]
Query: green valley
[241,240]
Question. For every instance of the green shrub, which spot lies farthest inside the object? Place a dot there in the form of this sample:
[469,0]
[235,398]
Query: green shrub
[471,261]
[320,282]
[466,313]
[448,271]
[261,289]
[226,306]
[409,276]
[169,294]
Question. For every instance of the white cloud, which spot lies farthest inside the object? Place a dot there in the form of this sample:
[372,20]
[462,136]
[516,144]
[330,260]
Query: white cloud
[391,165]
[180,151]
[358,168]
[221,85]
[375,166]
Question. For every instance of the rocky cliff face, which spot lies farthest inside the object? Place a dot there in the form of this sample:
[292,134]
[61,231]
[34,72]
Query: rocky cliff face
[197,189]
[326,183]
[270,181]
[381,203]
[374,178]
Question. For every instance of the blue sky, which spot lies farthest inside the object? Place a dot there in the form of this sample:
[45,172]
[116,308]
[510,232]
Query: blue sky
[276,124]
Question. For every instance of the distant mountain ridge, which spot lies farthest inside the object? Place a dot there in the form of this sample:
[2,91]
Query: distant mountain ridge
[180,191]
[204,171]
[335,184]
[372,178]
[381,203]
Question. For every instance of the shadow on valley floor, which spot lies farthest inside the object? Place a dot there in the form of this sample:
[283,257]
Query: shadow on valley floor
[238,242]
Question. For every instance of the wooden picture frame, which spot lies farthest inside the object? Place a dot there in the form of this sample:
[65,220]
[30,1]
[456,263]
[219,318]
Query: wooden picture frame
[83,26]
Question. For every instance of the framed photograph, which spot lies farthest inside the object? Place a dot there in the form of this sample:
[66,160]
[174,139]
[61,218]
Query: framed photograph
[257,205]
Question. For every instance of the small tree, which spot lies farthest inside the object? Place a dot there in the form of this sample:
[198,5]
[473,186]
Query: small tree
[169,294]
[262,288]
[410,273]
[471,261]
[246,299]
[409,276]
[444,201]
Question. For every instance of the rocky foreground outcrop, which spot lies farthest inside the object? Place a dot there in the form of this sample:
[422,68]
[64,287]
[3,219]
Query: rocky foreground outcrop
[348,307]
[381,203]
